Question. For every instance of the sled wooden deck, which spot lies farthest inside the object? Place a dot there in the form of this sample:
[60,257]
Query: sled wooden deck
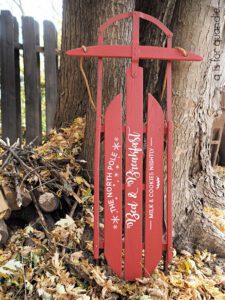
[133,201]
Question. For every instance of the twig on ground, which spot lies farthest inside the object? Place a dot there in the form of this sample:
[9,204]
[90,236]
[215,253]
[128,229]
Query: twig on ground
[41,216]
[8,157]
[5,147]
[29,173]
[19,200]
[24,280]
[72,211]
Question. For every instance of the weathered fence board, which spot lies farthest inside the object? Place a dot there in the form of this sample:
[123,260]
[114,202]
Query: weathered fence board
[10,60]
[9,89]
[50,42]
[32,79]
[17,81]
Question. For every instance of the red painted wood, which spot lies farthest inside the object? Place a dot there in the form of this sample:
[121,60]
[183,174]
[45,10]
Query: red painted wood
[133,175]
[97,154]
[113,185]
[134,140]
[101,245]
[155,21]
[141,15]
[142,52]
[169,253]
[114,19]
[154,185]
[169,194]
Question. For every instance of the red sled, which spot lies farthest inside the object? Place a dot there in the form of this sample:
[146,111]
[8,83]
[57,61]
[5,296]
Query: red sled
[134,239]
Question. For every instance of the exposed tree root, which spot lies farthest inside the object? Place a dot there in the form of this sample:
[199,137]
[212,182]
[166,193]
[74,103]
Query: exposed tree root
[210,188]
[196,230]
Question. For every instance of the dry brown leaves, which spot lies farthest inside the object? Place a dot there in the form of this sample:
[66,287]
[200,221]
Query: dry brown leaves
[30,269]
[221,172]
[64,144]
[217,216]
[28,263]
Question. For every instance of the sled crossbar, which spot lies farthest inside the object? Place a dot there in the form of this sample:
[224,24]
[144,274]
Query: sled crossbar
[134,235]
[143,52]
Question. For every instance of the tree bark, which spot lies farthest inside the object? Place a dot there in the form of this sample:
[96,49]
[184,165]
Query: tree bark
[222,150]
[196,97]
[154,70]
[76,32]
[222,145]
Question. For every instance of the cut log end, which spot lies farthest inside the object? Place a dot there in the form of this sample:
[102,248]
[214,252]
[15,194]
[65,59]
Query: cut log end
[11,195]
[48,202]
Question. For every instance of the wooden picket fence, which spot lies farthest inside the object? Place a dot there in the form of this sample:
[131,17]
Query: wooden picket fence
[11,72]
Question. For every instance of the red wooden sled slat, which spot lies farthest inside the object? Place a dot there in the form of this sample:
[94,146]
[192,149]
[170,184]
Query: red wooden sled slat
[133,176]
[154,185]
[113,185]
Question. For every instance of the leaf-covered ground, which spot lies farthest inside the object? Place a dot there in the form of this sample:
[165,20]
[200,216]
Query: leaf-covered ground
[32,267]
[60,265]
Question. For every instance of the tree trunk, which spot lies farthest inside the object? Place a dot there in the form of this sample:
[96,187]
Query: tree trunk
[222,150]
[196,96]
[222,145]
[73,97]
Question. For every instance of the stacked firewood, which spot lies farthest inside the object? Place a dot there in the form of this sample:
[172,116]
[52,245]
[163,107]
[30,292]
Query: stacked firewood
[36,182]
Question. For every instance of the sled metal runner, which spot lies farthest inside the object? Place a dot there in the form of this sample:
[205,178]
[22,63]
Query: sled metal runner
[134,210]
